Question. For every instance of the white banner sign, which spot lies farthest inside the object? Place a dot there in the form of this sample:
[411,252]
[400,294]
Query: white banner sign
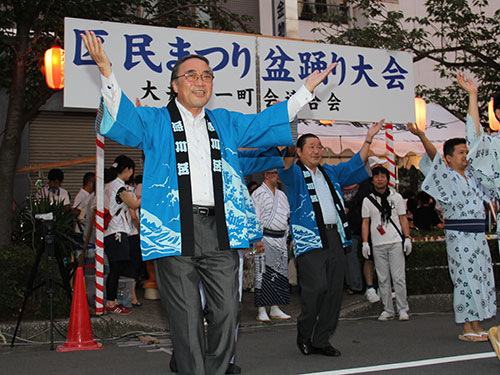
[367,85]
[143,58]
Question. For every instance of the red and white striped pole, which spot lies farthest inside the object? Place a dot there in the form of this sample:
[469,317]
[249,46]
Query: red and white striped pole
[389,147]
[99,227]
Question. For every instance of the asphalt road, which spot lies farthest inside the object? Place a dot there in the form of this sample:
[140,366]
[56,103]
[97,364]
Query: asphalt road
[271,350]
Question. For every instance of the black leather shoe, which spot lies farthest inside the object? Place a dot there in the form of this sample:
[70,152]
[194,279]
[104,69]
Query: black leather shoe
[329,351]
[305,347]
[173,364]
[233,369]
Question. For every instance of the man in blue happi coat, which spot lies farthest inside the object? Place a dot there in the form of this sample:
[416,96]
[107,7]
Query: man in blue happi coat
[320,234]
[193,201]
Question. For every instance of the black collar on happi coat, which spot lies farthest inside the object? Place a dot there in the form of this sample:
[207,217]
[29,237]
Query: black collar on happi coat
[317,208]
[184,181]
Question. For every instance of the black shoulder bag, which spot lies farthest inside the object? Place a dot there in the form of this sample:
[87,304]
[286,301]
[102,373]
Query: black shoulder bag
[379,207]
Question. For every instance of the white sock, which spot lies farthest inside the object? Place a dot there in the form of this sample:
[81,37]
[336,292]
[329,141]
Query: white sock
[275,310]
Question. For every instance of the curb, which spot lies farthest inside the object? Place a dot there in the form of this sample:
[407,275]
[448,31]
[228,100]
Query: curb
[109,327]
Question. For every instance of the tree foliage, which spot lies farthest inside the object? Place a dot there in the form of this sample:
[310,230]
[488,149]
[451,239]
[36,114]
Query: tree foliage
[29,27]
[458,35]
[41,23]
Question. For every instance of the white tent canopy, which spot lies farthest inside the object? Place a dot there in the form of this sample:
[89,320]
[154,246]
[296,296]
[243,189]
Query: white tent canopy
[341,136]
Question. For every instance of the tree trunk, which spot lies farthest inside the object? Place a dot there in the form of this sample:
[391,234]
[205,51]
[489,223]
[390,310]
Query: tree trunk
[11,142]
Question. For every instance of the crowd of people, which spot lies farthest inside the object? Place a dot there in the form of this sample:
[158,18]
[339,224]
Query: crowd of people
[344,222]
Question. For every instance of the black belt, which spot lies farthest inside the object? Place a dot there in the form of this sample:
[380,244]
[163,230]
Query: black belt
[273,233]
[204,210]
[331,226]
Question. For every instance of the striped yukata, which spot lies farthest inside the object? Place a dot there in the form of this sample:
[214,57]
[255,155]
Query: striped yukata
[271,267]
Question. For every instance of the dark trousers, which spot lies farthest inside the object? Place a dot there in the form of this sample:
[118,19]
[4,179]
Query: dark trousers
[117,268]
[178,280]
[135,257]
[321,281]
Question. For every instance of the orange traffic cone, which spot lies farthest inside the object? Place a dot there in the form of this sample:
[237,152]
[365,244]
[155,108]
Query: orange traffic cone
[79,332]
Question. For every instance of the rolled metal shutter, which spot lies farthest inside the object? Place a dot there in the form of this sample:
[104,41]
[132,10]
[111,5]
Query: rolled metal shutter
[64,136]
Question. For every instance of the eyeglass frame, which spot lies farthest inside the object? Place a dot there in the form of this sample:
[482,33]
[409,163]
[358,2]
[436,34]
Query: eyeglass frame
[198,76]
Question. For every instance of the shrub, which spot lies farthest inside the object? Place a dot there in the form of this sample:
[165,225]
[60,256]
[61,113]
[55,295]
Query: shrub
[17,262]
[427,268]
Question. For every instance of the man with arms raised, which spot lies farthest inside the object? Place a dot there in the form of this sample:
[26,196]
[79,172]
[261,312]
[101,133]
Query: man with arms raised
[484,159]
[461,196]
[320,234]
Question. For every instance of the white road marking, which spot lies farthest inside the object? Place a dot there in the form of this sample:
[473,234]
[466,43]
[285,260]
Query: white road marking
[394,366]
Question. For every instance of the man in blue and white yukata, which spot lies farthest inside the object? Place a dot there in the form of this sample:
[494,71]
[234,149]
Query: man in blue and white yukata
[483,157]
[460,194]
[195,207]
[320,234]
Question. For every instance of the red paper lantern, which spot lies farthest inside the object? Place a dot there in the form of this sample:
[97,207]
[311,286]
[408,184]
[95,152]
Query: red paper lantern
[54,68]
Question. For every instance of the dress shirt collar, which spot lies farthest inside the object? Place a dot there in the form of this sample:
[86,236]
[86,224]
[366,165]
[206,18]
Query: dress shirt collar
[185,113]
[315,174]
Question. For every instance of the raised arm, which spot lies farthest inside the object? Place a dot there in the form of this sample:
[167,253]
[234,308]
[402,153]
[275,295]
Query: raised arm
[470,87]
[94,46]
[289,156]
[372,132]
[430,149]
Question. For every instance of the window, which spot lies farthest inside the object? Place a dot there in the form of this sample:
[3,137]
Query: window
[322,9]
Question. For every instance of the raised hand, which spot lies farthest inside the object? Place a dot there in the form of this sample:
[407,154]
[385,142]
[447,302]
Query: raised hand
[316,77]
[94,46]
[413,129]
[466,83]
[374,129]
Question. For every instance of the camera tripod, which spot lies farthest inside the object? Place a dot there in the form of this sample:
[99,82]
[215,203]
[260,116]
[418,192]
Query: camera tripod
[47,246]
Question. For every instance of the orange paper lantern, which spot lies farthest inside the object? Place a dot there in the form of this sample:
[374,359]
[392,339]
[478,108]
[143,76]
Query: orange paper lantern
[494,123]
[420,113]
[326,122]
[54,68]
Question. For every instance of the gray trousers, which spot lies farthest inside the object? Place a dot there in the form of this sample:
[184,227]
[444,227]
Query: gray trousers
[321,282]
[178,279]
[390,263]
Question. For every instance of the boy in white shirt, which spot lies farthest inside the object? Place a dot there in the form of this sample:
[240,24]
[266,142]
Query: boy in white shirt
[385,222]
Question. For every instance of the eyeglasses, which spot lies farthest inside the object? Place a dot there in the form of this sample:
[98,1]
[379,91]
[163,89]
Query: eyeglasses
[193,76]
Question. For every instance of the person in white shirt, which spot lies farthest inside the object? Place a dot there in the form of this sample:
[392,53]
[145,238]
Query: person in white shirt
[53,190]
[385,222]
[82,199]
[117,200]
[134,243]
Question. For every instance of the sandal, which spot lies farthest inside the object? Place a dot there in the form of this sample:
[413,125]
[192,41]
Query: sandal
[472,337]
[137,304]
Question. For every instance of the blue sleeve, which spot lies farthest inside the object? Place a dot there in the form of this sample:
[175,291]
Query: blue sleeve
[260,160]
[350,172]
[133,125]
[291,176]
[268,128]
